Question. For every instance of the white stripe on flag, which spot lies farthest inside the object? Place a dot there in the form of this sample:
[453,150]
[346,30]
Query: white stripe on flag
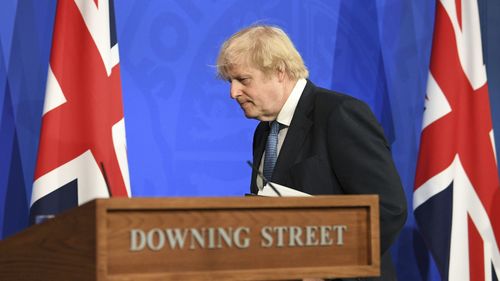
[54,96]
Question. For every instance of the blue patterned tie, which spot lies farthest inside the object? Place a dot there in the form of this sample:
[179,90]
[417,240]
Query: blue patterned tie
[271,150]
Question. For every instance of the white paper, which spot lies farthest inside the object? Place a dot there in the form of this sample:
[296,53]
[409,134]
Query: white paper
[283,190]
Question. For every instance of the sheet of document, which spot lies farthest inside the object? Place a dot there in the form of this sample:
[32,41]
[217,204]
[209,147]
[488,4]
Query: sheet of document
[283,190]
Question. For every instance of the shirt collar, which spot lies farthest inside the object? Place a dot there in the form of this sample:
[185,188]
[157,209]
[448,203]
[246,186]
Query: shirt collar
[288,109]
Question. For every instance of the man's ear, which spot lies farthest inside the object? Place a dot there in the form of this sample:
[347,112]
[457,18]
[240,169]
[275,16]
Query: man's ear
[280,73]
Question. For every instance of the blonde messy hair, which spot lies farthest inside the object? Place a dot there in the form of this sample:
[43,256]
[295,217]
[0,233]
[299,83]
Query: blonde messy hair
[264,47]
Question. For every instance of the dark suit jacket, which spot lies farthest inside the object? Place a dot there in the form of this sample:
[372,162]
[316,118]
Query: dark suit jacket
[334,145]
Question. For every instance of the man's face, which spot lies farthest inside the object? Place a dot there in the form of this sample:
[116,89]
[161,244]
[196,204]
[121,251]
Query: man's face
[259,97]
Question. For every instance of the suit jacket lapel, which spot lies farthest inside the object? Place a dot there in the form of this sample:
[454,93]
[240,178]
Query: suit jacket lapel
[260,138]
[297,133]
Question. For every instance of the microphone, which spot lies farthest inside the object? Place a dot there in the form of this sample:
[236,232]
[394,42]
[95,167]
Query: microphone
[259,173]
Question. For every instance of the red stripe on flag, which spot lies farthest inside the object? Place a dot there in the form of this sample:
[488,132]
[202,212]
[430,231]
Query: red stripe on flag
[436,153]
[458,6]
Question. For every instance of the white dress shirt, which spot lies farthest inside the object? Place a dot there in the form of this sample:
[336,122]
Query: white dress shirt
[285,119]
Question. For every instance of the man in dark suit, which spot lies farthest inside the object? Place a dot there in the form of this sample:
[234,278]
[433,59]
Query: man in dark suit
[310,139]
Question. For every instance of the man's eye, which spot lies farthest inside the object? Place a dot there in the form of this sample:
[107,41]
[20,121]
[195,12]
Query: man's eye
[242,80]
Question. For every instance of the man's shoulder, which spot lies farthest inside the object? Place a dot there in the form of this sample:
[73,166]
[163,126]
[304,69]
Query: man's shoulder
[330,99]
[326,95]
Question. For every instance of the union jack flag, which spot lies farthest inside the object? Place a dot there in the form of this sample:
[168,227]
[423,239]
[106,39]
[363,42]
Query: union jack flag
[82,151]
[456,199]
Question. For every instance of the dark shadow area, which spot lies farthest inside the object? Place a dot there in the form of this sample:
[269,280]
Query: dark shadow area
[23,93]
[417,265]
[490,35]
[13,216]
[435,221]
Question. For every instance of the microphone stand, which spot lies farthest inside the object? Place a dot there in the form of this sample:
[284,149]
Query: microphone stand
[259,173]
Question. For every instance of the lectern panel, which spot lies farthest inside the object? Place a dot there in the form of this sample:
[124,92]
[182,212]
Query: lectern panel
[244,238]
[232,236]
[225,239]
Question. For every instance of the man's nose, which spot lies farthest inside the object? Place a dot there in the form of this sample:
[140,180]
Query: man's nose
[235,90]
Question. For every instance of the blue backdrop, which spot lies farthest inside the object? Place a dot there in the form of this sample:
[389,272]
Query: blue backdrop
[185,136]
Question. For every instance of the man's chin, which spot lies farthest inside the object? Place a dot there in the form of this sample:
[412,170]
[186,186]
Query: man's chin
[250,115]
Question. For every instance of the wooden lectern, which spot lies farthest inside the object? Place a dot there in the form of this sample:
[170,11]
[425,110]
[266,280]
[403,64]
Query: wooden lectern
[250,238]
